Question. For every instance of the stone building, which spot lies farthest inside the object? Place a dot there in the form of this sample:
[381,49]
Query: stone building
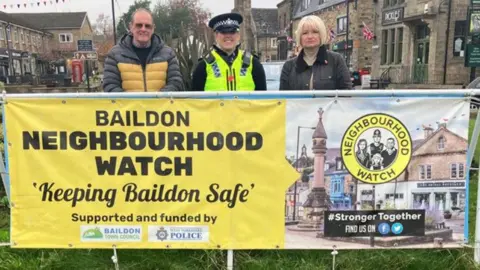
[265,30]
[259,29]
[21,44]
[284,44]
[334,14]
[411,41]
[244,7]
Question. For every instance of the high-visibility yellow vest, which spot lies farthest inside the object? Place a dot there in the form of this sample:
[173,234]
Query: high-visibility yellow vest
[222,77]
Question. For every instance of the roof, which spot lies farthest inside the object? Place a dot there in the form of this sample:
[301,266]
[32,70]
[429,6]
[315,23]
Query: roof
[266,20]
[53,20]
[418,143]
[7,17]
[313,7]
[320,129]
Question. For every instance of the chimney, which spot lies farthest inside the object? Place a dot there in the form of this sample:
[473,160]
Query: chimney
[442,125]
[427,131]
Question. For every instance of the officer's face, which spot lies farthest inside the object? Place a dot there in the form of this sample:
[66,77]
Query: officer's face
[227,41]
[142,27]
[310,36]
[376,138]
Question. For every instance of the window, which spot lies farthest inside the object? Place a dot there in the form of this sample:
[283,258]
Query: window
[339,164]
[274,42]
[392,43]
[461,171]
[392,195]
[65,38]
[457,170]
[441,143]
[459,38]
[425,172]
[342,25]
[305,4]
[399,58]
[392,3]
[2,34]
[384,46]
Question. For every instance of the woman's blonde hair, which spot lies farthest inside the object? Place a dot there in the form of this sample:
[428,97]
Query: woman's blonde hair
[316,23]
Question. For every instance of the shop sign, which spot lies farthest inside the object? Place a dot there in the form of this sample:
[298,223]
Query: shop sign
[392,16]
[440,184]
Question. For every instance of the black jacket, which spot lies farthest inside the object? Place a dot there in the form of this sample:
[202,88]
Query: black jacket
[330,72]
[200,74]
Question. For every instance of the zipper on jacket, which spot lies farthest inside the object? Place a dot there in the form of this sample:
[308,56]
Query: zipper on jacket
[228,83]
[144,72]
[234,81]
[231,82]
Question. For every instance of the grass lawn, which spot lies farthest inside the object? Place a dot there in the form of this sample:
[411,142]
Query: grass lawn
[303,259]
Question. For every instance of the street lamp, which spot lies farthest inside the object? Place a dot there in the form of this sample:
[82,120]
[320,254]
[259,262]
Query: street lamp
[296,167]
[114,26]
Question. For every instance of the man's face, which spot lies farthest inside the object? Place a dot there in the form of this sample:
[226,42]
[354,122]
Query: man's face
[142,27]
[376,138]
[390,144]
[227,41]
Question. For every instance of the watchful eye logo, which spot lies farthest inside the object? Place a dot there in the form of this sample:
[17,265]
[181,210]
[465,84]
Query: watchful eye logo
[376,148]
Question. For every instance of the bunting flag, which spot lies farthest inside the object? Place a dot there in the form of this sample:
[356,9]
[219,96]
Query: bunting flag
[32,4]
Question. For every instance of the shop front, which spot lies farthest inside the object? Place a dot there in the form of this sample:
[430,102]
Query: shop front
[434,194]
[344,49]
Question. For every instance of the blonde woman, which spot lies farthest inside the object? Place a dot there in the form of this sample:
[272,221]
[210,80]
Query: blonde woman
[315,67]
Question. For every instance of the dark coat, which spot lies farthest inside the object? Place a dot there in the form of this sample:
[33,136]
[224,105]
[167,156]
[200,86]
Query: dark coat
[330,72]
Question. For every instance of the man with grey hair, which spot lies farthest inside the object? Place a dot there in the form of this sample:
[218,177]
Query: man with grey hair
[142,62]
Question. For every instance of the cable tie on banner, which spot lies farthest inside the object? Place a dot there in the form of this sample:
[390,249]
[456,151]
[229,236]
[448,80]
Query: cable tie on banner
[4,96]
[336,95]
[171,97]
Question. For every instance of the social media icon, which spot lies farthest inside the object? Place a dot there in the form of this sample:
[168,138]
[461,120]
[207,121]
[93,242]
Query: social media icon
[397,228]
[383,228]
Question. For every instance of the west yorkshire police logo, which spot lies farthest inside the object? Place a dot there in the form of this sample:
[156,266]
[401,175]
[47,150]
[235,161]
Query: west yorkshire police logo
[376,148]
[162,234]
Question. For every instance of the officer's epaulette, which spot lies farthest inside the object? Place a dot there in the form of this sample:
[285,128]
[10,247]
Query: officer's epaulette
[246,59]
[208,57]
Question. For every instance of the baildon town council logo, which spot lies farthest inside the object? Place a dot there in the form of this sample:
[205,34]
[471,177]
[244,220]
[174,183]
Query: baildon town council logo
[376,148]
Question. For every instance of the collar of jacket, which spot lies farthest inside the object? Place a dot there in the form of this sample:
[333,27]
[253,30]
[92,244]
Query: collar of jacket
[224,55]
[321,59]
[127,42]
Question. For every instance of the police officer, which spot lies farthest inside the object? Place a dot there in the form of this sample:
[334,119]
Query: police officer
[376,147]
[226,67]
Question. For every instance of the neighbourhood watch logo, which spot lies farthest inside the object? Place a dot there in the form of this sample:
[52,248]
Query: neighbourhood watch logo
[376,148]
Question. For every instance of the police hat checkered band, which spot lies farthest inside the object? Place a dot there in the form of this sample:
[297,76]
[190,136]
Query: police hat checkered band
[227,22]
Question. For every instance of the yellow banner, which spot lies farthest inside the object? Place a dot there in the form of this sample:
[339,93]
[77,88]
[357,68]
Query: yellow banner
[92,173]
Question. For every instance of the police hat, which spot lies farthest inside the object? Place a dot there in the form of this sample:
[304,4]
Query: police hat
[226,23]
[377,133]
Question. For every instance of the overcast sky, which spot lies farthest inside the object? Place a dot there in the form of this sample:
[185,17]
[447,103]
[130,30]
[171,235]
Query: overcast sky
[96,7]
